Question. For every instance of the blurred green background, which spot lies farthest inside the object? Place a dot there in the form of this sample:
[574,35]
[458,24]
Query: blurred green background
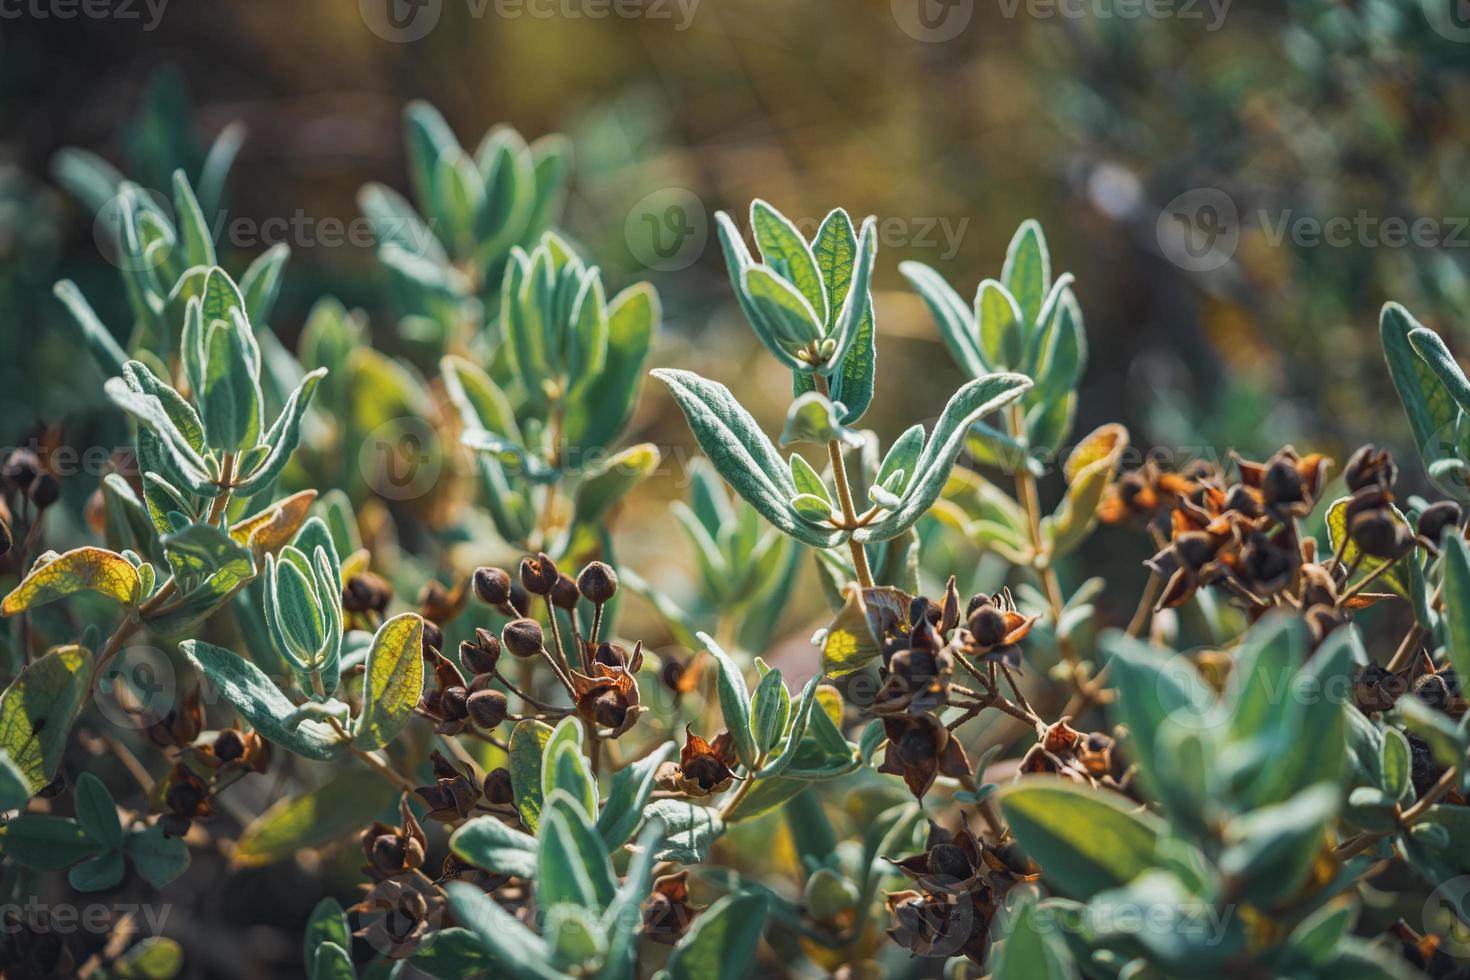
[1179,156]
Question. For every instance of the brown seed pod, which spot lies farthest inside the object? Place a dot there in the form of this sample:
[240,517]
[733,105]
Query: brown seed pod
[564,593]
[598,582]
[538,574]
[491,586]
[487,708]
[523,638]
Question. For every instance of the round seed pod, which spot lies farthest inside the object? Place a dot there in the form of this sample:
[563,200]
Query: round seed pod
[228,745]
[1282,484]
[523,638]
[1437,518]
[481,656]
[598,582]
[1195,549]
[487,708]
[21,467]
[44,491]
[988,625]
[433,637]
[454,703]
[491,585]
[498,787]
[1378,533]
[564,593]
[366,592]
[538,574]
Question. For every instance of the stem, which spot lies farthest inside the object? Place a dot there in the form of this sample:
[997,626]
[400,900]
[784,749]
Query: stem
[844,499]
[384,770]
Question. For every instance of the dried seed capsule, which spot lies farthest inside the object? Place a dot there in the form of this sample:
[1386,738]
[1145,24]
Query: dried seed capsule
[1195,549]
[436,602]
[1436,518]
[21,467]
[1282,483]
[487,708]
[1435,692]
[454,703]
[610,709]
[498,786]
[539,574]
[491,585]
[481,656]
[598,582]
[1240,499]
[988,625]
[7,540]
[229,745]
[366,592]
[564,593]
[1369,466]
[1378,533]
[433,637]
[522,637]
[44,491]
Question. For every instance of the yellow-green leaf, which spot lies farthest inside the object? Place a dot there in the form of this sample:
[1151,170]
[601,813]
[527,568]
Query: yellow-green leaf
[393,681]
[1397,578]
[37,709]
[81,570]
[527,743]
[312,819]
[1089,470]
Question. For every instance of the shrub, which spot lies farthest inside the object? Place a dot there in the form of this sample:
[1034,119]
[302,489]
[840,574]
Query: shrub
[985,776]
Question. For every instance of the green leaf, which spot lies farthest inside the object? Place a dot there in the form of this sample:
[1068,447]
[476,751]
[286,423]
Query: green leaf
[788,316]
[198,243]
[796,731]
[973,401]
[1085,840]
[784,249]
[853,362]
[1270,851]
[570,842]
[952,315]
[611,480]
[568,769]
[96,811]
[1032,952]
[97,874]
[1001,325]
[1027,270]
[392,683]
[737,262]
[15,789]
[813,418]
[1395,760]
[1427,403]
[741,453]
[37,709]
[150,958]
[528,741]
[514,949]
[328,924]
[1089,470]
[1428,345]
[99,340]
[332,962]
[690,829]
[486,842]
[46,843]
[452,954]
[80,570]
[261,703]
[602,407]
[770,710]
[734,702]
[282,438]
[722,943]
[631,787]
[156,857]
[316,817]
[1457,602]
[261,283]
